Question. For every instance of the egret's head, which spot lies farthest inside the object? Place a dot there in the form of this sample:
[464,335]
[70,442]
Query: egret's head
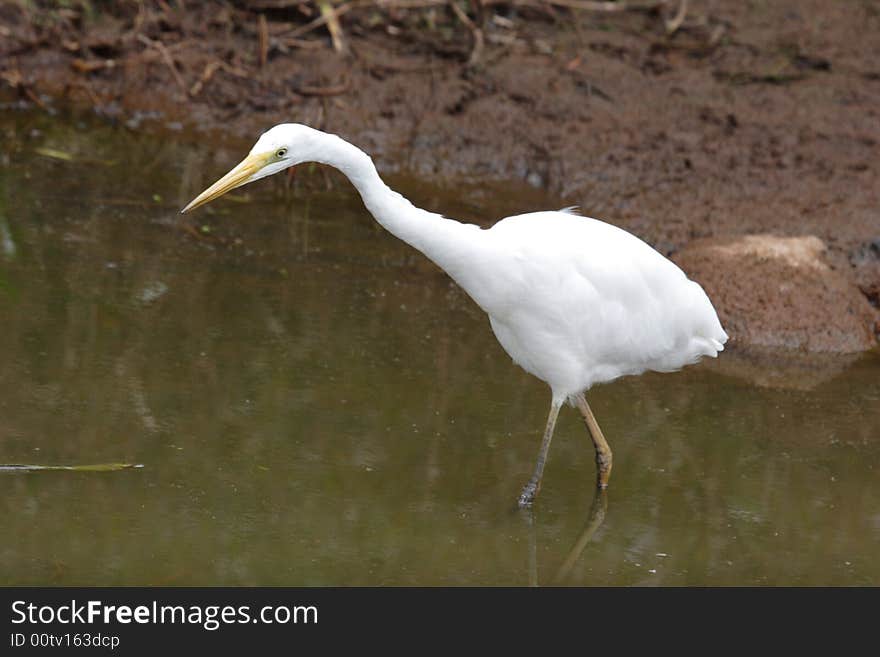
[277,149]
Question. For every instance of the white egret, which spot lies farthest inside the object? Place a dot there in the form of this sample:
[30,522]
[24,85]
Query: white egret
[574,301]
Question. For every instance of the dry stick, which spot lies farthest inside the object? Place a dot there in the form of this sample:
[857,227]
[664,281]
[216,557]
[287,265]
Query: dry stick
[173,48]
[332,18]
[166,57]
[207,74]
[263,29]
[715,37]
[322,20]
[234,70]
[673,24]
[88,66]
[477,33]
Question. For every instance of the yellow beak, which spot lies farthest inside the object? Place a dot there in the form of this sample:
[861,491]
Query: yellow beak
[239,175]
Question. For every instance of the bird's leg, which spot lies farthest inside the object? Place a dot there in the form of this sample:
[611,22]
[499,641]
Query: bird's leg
[603,451]
[531,489]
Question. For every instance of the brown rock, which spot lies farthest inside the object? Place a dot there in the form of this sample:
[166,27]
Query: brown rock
[866,261]
[773,291]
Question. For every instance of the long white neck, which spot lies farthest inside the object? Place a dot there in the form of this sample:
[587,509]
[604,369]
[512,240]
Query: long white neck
[449,243]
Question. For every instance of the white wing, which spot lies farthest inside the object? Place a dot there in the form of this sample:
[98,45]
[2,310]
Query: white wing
[576,301]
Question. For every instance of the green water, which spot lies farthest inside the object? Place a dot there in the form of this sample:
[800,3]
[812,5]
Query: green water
[313,403]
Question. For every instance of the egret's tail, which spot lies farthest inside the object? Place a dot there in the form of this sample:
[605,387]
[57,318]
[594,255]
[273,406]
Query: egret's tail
[708,346]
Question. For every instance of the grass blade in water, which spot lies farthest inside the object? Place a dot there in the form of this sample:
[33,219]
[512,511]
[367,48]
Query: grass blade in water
[96,467]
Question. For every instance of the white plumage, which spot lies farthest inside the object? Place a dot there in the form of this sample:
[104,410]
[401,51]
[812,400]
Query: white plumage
[588,302]
[573,300]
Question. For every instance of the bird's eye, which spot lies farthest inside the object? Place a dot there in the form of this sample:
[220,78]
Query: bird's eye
[281,152]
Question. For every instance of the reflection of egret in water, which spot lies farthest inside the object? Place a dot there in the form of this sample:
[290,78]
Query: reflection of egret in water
[595,518]
[783,369]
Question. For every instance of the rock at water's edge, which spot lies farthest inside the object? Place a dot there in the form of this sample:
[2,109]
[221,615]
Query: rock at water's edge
[775,291]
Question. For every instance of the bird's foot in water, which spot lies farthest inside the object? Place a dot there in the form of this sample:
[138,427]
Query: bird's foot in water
[528,495]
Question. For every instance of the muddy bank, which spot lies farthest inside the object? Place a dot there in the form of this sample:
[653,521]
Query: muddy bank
[740,118]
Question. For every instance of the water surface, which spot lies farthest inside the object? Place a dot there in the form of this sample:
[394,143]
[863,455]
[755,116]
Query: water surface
[315,404]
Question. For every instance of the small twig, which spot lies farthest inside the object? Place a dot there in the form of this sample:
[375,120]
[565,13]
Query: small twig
[88,66]
[676,21]
[207,74]
[264,40]
[321,20]
[476,32]
[151,54]
[166,57]
[506,40]
[501,21]
[715,37]
[234,70]
[331,17]
[97,467]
